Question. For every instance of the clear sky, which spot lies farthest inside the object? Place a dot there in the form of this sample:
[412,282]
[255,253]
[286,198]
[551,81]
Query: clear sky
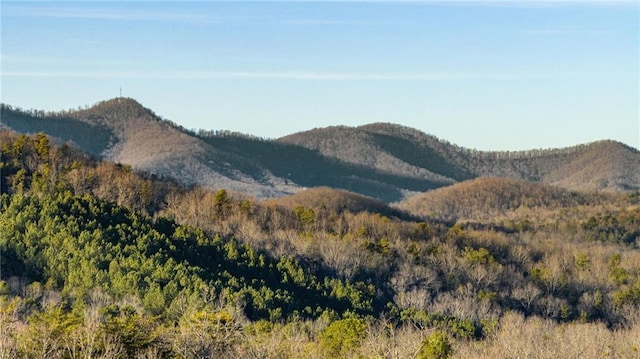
[489,75]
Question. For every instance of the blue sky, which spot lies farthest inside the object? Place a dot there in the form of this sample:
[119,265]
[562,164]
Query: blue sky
[489,75]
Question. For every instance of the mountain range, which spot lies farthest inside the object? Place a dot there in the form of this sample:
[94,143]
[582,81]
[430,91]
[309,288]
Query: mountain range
[385,161]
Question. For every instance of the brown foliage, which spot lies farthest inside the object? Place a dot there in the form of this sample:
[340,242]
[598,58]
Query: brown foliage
[488,198]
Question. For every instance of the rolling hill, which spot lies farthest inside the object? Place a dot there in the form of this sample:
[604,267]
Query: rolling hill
[492,197]
[126,132]
[384,161]
[602,165]
[137,266]
[337,201]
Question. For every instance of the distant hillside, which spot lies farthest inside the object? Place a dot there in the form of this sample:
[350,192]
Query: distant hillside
[92,138]
[603,165]
[126,132]
[487,198]
[384,161]
[304,167]
[337,201]
[388,148]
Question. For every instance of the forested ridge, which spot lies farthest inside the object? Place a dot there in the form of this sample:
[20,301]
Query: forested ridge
[380,160]
[100,260]
[391,148]
[489,198]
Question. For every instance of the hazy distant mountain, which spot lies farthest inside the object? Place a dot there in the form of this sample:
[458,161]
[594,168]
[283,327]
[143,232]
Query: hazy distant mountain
[384,161]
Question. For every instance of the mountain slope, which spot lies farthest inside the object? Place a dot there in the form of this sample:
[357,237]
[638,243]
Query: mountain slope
[309,168]
[604,165]
[601,165]
[491,197]
[138,137]
[384,161]
[92,138]
[387,151]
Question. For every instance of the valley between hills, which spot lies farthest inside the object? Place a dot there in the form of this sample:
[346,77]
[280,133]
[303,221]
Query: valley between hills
[124,235]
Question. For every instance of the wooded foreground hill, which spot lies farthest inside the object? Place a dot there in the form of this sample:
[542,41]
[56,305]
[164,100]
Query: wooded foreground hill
[102,261]
[384,161]
[491,198]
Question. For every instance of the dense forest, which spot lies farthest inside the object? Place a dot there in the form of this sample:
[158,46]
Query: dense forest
[98,260]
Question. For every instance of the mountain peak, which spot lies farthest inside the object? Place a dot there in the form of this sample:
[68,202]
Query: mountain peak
[119,107]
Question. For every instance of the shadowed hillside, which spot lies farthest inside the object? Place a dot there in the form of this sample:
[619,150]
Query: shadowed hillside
[308,168]
[387,152]
[603,165]
[138,137]
[384,161]
[93,138]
